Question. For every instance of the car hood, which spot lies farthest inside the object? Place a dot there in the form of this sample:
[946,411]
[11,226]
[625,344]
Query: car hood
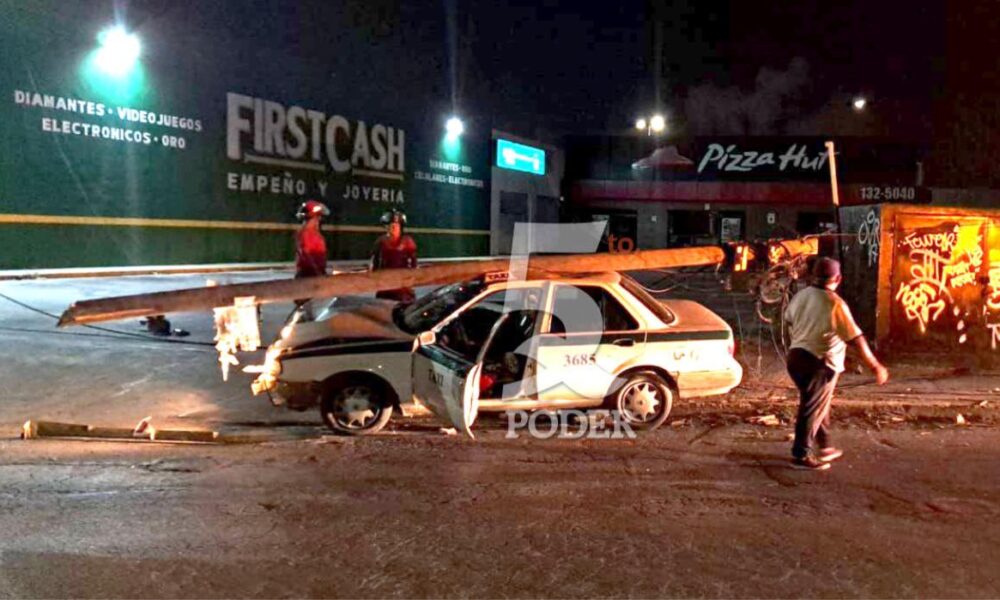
[348,322]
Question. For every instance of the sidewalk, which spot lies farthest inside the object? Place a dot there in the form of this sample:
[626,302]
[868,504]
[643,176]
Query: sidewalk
[83,272]
[933,384]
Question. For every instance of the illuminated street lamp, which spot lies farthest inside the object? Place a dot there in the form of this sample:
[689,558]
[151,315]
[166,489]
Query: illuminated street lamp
[656,124]
[454,127]
[118,52]
[859,103]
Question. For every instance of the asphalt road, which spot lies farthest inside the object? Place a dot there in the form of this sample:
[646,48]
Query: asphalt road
[87,375]
[705,507]
[681,512]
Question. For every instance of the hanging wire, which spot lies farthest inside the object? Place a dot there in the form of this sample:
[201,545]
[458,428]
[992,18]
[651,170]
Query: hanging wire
[117,332]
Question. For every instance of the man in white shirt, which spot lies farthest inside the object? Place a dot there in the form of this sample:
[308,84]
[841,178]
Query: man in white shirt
[821,326]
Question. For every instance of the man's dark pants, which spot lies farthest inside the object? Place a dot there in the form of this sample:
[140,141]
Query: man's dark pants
[816,383]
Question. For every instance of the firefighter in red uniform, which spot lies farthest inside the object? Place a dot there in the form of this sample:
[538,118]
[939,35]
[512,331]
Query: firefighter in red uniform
[395,250]
[310,246]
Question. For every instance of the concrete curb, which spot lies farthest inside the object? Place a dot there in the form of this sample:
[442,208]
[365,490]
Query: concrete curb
[145,270]
[52,429]
[874,404]
[84,272]
[33,430]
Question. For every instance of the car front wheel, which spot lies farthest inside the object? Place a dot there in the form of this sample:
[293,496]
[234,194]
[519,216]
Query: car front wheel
[644,400]
[355,408]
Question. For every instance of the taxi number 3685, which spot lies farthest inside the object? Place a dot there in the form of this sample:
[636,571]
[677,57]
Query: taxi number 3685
[574,360]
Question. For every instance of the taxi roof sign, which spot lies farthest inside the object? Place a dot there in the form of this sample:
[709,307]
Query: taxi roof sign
[496,276]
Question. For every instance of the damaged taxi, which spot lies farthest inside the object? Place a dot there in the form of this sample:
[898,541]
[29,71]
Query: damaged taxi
[493,344]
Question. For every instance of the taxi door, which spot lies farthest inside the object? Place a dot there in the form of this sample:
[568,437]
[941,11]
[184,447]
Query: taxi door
[449,360]
[592,336]
[446,383]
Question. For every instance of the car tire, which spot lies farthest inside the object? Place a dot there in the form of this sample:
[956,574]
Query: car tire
[644,400]
[355,408]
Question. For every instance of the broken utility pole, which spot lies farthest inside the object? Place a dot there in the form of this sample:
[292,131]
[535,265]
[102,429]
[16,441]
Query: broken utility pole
[287,290]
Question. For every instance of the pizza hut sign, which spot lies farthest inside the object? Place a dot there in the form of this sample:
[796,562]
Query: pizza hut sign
[730,158]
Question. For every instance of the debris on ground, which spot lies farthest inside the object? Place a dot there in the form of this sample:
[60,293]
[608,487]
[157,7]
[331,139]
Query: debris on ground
[679,422]
[765,420]
[448,431]
[960,420]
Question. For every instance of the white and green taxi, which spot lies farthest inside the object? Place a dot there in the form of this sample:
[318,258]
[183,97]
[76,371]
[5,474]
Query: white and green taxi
[492,345]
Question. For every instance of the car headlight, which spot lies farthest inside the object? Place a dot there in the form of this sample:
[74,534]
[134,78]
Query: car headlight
[272,361]
[269,371]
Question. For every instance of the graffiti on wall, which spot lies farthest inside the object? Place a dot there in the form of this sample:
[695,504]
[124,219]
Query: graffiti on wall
[942,260]
[993,291]
[868,236]
[992,306]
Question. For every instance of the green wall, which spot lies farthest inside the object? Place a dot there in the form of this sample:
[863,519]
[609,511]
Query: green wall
[186,71]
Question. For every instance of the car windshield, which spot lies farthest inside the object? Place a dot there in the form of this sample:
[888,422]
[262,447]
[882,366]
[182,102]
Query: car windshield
[429,310]
[315,309]
[655,306]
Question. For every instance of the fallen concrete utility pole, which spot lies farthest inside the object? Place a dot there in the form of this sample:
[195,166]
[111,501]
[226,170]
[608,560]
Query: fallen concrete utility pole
[206,298]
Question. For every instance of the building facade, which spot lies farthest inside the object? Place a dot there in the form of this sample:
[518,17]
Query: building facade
[201,148]
[711,190]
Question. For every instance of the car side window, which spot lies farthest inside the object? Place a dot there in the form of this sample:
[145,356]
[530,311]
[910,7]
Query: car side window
[467,333]
[588,308]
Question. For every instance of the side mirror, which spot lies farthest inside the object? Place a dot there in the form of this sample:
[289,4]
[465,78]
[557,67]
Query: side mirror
[427,338]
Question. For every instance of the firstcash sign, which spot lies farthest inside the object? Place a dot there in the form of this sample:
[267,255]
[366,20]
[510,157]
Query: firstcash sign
[267,132]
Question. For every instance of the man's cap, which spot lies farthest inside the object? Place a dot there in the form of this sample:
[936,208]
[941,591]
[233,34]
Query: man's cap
[826,268]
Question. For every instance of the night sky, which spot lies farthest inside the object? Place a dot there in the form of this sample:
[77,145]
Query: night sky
[566,65]
[546,68]
[592,65]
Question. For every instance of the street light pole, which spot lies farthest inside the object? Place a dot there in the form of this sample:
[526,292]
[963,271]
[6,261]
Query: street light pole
[832,159]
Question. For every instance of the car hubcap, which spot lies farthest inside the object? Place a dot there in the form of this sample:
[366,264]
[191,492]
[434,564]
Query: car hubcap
[641,401]
[356,409]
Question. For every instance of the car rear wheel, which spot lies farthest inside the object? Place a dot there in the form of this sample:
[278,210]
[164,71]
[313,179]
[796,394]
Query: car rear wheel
[644,400]
[355,408]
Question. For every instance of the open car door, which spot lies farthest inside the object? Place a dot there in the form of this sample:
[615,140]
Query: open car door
[446,383]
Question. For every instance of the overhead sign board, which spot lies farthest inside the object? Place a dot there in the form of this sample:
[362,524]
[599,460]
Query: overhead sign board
[518,157]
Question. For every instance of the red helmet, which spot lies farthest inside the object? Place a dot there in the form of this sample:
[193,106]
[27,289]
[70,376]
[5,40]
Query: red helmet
[310,209]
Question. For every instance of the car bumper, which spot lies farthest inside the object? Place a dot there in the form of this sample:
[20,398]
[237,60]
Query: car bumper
[296,395]
[709,383]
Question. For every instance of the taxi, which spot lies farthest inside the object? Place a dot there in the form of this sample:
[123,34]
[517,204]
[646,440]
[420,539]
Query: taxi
[492,345]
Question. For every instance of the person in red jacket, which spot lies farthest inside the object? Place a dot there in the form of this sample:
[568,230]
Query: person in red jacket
[310,246]
[395,250]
